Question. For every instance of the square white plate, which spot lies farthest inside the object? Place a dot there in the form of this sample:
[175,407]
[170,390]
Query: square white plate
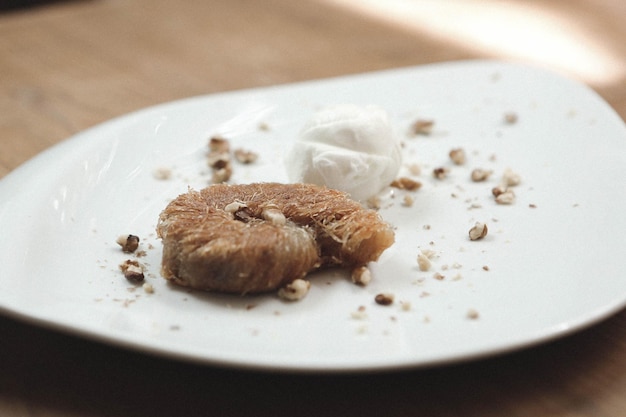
[552,263]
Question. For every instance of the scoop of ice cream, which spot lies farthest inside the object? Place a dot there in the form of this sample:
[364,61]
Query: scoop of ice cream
[348,148]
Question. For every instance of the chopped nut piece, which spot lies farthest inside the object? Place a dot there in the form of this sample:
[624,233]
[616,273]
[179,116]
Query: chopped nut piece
[479,231]
[507,197]
[222,174]
[274,215]
[457,156]
[510,178]
[245,156]
[423,261]
[219,159]
[148,288]
[480,174]
[132,271]
[440,172]
[407,201]
[235,206]
[422,127]
[439,276]
[373,203]
[405,305]
[472,314]
[162,173]
[415,169]
[219,144]
[295,290]
[510,118]
[359,314]
[129,243]
[384,299]
[361,275]
[496,191]
[405,183]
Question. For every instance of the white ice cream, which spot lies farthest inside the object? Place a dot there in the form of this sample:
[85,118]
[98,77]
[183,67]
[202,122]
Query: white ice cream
[348,148]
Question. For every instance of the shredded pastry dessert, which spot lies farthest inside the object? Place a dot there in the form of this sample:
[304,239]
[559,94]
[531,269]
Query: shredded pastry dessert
[252,238]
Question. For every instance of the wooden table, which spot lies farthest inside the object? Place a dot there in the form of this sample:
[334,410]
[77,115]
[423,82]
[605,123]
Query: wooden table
[66,66]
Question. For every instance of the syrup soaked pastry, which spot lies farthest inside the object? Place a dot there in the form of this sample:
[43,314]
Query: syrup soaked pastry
[253,238]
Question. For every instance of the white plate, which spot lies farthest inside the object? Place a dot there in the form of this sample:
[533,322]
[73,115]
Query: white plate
[555,257]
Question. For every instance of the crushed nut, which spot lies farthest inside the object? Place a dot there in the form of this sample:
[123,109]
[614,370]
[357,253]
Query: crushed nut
[405,183]
[162,173]
[510,178]
[472,314]
[500,189]
[480,174]
[361,275]
[219,144]
[415,169]
[422,127]
[359,314]
[296,290]
[478,231]
[408,201]
[148,288]
[245,156]
[384,299]
[423,261]
[510,118]
[273,215]
[507,197]
[129,243]
[219,159]
[438,276]
[235,206]
[440,172]
[457,156]
[132,270]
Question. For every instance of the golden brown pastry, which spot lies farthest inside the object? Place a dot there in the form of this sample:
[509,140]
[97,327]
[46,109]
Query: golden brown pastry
[254,238]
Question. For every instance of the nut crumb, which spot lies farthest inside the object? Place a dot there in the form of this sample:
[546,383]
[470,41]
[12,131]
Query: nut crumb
[133,271]
[219,159]
[235,206]
[405,183]
[148,288]
[438,276]
[296,290]
[440,172]
[422,127]
[361,275]
[405,305]
[408,201]
[510,178]
[457,156]
[507,197]
[479,174]
[415,169]
[245,156]
[384,299]
[510,118]
[478,231]
[472,314]
[129,243]
[423,261]
[499,189]
[359,314]
[162,173]
[485,268]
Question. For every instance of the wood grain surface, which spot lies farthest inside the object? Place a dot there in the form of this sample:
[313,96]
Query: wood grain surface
[67,66]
